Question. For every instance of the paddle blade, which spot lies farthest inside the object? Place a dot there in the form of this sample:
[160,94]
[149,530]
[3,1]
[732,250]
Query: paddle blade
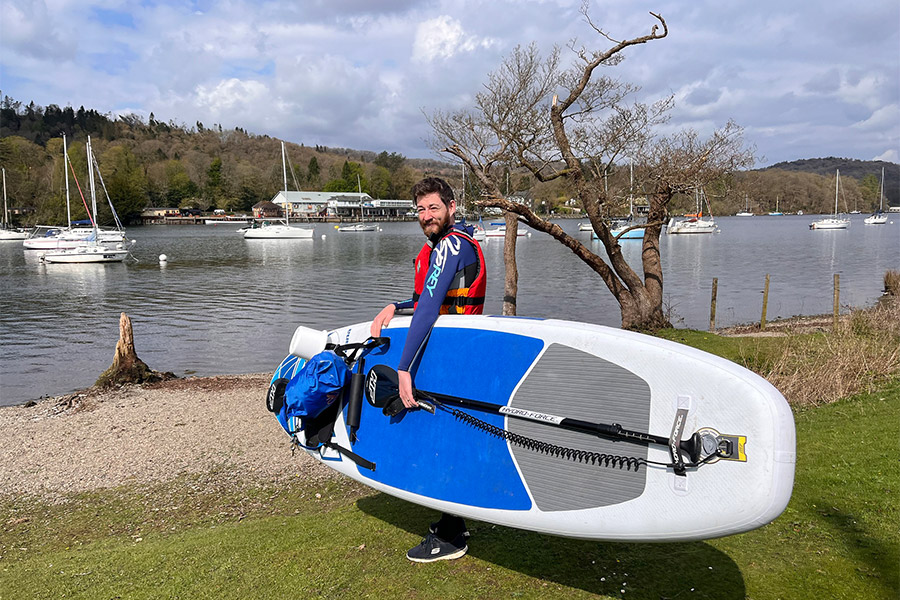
[382,386]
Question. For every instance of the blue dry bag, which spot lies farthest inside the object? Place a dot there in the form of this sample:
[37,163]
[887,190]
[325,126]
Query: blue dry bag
[314,387]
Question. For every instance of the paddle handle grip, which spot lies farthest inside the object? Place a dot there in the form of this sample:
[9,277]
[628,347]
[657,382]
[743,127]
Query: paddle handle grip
[307,342]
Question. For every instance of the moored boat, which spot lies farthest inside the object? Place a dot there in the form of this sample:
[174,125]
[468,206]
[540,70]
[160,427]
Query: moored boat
[834,221]
[8,232]
[878,217]
[93,249]
[280,231]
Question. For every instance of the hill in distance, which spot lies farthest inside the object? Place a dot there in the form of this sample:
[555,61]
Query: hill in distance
[849,167]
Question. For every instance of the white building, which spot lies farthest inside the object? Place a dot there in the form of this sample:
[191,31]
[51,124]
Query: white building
[339,204]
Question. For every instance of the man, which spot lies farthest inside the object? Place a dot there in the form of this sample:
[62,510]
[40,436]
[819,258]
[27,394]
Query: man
[450,278]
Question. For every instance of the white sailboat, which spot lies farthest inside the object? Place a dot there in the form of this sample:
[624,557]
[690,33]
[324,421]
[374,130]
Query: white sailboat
[834,221]
[94,250]
[694,224]
[7,232]
[53,237]
[746,212]
[500,231]
[280,231]
[362,226]
[877,218]
[625,229]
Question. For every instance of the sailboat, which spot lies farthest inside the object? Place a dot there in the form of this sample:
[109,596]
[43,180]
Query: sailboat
[8,232]
[777,212]
[362,225]
[280,231]
[877,218]
[625,229]
[746,212]
[694,224]
[833,222]
[53,237]
[94,250]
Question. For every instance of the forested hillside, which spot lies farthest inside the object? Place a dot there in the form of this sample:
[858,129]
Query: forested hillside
[152,163]
[857,169]
[170,165]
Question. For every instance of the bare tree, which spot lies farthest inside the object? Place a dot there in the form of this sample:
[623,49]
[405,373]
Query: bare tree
[577,125]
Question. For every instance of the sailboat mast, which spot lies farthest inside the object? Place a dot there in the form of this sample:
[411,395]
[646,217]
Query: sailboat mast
[362,217]
[287,206]
[880,200]
[66,173]
[837,180]
[5,208]
[631,187]
[90,159]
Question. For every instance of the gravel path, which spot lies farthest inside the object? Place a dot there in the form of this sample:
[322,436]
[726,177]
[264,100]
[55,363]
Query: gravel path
[146,434]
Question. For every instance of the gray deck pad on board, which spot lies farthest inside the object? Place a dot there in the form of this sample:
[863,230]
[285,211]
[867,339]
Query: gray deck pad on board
[568,382]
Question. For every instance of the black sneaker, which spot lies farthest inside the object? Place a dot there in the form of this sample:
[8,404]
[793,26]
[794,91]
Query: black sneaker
[442,525]
[434,548]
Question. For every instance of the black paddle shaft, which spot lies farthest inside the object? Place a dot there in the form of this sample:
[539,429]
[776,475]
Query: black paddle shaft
[382,388]
[614,430]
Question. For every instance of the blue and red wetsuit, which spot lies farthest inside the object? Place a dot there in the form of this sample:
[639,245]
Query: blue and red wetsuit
[451,278]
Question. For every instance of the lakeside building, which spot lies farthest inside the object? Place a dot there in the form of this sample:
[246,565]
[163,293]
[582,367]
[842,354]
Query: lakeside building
[342,205]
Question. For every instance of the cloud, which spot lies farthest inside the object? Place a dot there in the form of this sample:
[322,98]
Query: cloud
[803,79]
[230,96]
[29,29]
[891,155]
[442,38]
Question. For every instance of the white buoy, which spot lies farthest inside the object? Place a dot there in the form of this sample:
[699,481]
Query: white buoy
[323,236]
[163,258]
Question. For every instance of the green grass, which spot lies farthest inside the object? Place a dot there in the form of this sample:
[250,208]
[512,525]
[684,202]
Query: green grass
[754,353]
[201,538]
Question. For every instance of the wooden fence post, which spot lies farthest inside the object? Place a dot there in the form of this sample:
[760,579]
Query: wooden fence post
[762,320]
[712,305]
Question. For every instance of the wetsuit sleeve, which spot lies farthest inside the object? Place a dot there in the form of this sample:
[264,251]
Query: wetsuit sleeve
[405,304]
[451,255]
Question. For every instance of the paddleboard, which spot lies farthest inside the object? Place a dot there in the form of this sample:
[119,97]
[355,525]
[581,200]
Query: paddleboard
[511,455]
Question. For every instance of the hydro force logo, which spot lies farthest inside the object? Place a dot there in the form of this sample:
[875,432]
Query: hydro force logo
[530,414]
[451,244]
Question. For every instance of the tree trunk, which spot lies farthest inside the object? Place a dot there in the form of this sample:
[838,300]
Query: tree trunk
[642,311]
[126,366]
[511,281]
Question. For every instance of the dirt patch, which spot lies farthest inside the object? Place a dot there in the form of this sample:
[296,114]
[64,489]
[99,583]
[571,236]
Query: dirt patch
[784,327]
[145,434]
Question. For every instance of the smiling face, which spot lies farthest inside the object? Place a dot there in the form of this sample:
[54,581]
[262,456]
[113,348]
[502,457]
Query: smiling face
[434,215]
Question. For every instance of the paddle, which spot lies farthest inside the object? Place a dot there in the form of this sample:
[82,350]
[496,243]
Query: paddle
[382,391]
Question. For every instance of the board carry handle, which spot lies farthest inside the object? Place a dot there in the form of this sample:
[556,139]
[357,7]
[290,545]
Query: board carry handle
[382,392]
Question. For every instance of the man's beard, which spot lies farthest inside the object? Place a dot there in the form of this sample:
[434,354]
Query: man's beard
[437,228]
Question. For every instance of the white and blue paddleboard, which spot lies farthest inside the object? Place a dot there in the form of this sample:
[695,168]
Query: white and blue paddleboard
[509,468]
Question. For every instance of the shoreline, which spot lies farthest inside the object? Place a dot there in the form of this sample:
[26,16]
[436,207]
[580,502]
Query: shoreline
[94,439]
[145,434]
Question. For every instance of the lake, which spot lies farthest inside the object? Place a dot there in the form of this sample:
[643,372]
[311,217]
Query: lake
[225,305]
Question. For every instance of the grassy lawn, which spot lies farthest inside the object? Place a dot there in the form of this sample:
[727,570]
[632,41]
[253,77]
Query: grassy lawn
[197,538]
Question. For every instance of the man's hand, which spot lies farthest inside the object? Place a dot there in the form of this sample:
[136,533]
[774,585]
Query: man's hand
[382,320]
[406,390]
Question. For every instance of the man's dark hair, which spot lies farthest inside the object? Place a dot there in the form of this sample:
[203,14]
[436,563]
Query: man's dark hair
[431,185]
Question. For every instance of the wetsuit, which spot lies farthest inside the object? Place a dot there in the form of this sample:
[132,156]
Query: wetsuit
[452,282]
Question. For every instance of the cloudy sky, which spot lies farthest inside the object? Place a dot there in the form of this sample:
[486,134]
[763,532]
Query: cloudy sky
[805,79]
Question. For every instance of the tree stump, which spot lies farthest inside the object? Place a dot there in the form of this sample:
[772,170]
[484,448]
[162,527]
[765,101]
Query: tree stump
[126,366]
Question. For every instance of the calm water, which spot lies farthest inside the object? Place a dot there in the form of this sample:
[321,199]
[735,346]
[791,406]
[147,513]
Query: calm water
[226,305]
